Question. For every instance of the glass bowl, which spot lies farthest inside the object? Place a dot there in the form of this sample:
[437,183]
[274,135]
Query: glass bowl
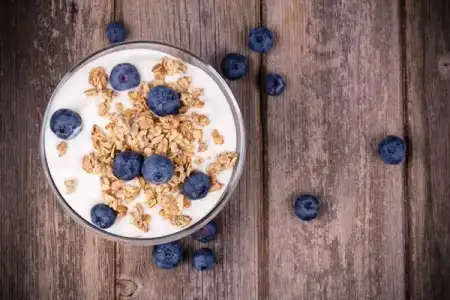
[240,142]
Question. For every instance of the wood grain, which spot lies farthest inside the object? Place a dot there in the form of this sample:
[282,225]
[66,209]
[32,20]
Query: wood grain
[208,29]
[44,254]
[427,53]
[343,68]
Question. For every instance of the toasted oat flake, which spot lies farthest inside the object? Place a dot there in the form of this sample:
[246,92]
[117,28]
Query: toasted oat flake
[202,146]
[224,161]
[98,78]
[71,185]
[217,137]
[61,148]
[140,219]
[181,221]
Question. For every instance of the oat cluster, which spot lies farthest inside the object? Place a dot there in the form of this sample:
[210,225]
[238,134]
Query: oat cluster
[178,137]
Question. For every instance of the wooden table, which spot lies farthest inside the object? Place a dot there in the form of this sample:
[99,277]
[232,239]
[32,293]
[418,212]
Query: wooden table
[356,69]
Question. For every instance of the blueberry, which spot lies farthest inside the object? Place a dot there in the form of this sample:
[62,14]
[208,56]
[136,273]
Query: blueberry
[127,165]
[234,66]
[207,233]
[260,39]
[103,216]
[197,185]
[203,259]
[163,101]
[157,169]
[392,150]
[274,84]
[124,77]
[168,256]
[65,124]
[306,207]
[115,32]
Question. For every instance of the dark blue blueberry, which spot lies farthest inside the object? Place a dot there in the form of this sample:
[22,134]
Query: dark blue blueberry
[163,101]
[197,185]
[124,77]
[207,233]
[157,169]
[260,39]
[65,124]
[203,259]
[392,150]
[274,84]
[115,32]
[127,165]
[103,216]
[234,66]
[168,256]
[306,207]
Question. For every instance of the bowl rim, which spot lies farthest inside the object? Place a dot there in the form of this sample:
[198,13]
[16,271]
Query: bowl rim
[231,186]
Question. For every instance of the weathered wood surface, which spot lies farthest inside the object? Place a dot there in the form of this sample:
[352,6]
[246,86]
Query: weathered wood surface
[356,71]
[342,62]
[44,253]
[427,78]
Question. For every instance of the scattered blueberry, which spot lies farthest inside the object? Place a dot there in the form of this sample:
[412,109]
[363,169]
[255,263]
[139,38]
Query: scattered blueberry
[157,169]
[203,259]
[274,84]
[115,32]
[163,101]
[65,124]
[392,150]
[168,256]
[207,233]
[103,216]
[197,185]
[124,77]
[306,207]
[234,66]
[127,165]
[260,39]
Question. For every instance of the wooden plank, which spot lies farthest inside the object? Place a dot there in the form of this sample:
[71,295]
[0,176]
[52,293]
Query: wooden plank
[44,254]
[208,29]
[343,68]
[428,90]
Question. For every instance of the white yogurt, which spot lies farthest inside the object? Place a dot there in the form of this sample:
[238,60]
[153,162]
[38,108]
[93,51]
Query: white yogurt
[88,192]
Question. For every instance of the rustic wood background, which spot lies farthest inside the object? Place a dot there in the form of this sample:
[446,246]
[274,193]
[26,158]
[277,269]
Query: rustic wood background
[356,69]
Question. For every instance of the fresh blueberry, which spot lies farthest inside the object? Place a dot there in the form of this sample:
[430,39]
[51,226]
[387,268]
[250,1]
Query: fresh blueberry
[124,77]
[103,216]
[392,150]
[127,165]
[234,66]
[260,39]
[203,259]
[274,84]
[65,124]
[157,169]
[197,185]
[115,32]
[163,101]
[168,256]
[306,207]
[207,233]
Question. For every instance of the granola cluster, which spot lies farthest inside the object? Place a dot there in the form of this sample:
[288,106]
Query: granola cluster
[178,137]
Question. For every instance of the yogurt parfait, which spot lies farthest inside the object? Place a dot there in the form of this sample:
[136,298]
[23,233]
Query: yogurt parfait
[141,144]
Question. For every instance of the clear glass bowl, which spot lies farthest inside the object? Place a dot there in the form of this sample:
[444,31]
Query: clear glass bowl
[240,143]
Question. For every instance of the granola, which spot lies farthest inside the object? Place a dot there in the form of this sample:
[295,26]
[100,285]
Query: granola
[71,185]
[138,129]
[61,148]
[217,137]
